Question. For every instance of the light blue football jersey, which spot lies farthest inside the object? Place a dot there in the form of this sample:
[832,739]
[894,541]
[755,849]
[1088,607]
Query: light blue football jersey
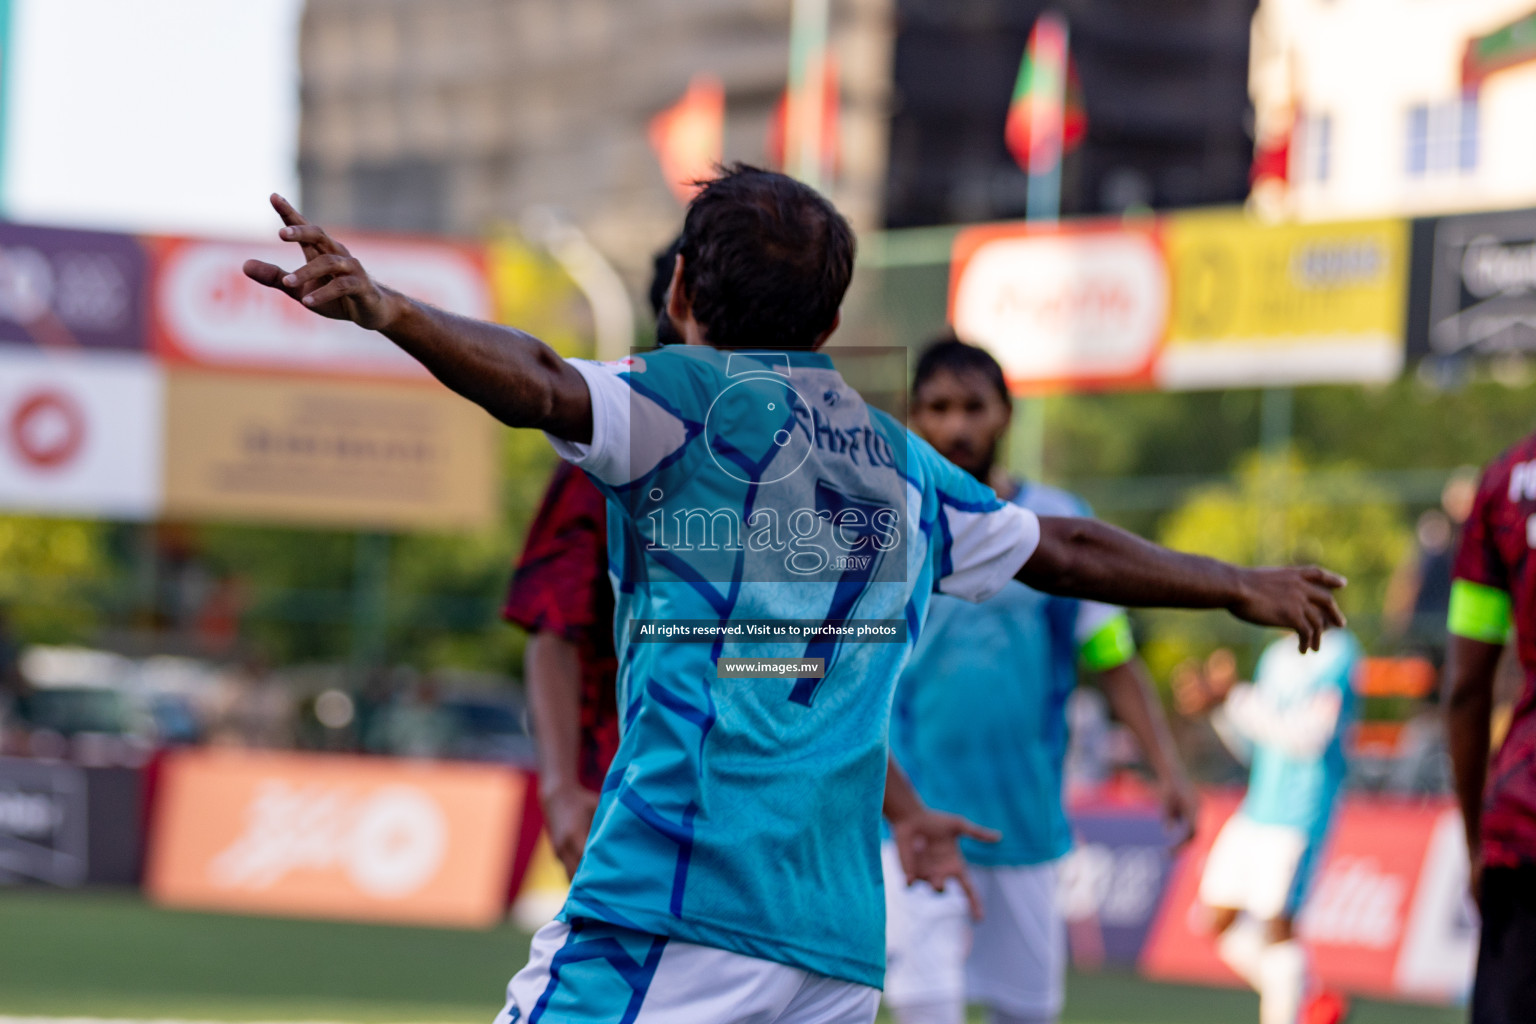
[980,722]
[744,813]
[1298,760]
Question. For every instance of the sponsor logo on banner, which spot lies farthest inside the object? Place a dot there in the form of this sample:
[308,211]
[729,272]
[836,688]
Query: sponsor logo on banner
[1386,914]
[43,814]
[1479,275]
[207,312]
[302,450]
[64,289]
[80,434]
[1112,882]
[335,836]
[1261,304]
[1082,307]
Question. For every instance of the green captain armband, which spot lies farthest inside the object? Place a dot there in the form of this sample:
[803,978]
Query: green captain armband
[1109,647]
[1479,612]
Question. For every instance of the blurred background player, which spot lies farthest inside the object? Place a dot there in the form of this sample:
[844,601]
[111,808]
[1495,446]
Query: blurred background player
[1290,726]
[980,725]
[1491,597]
[562,596]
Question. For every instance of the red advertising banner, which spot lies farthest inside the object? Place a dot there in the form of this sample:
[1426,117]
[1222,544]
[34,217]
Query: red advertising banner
[1388,913]
[206,312]
[355,838]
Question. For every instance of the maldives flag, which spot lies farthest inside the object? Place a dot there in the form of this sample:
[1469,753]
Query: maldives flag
[689,136]
[1046,118]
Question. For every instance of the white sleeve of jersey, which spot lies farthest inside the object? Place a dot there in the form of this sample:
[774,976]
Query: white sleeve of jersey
[1302,732]
[986,549]
[631,434]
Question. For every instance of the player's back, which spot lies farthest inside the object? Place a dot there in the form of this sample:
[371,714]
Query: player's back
[742,812]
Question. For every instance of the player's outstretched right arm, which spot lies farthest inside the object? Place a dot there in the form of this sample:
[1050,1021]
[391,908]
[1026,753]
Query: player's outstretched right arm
[511,375]
[1086,558]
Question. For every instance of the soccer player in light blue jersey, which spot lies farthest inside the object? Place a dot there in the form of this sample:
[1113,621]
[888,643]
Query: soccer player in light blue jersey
[980,725]
[733,868]
[1289,726]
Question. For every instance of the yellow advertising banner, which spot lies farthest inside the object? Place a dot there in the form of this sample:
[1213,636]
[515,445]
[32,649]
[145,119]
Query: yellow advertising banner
[322,452]
[1277,304]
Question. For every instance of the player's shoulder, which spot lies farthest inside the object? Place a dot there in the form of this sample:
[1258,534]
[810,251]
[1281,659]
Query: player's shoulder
[1045,500]
[1512,473]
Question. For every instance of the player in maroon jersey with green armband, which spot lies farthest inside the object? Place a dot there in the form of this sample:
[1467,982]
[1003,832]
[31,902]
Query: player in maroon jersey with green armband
[1493,597]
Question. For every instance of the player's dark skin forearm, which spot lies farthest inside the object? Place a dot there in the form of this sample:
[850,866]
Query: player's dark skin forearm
[511,375]
[552,670]
[1469,673]
[1086,558]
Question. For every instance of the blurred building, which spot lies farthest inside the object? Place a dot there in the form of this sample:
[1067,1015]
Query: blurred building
[454,115]
[1163,85]
[1376,107]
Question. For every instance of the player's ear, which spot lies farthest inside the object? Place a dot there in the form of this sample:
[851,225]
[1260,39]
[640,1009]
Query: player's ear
[679,302]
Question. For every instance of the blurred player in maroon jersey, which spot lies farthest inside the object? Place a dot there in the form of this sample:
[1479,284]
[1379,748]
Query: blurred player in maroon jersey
[1493,595]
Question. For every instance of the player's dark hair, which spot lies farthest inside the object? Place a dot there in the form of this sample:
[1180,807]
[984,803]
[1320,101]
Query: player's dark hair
[949,354]
[766,260]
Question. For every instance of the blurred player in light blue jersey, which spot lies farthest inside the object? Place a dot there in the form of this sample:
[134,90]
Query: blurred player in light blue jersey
[1290,726]
[733,869]
[980,726]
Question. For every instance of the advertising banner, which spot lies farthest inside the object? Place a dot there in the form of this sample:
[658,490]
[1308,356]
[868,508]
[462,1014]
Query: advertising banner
[335,836]
[1080,306]
[64,825]
[206,312]
[80,434]
[1474,285]
[71,290]
[1209,299]
[1387,915]
[1112,882]
[1266,305]
[391,456]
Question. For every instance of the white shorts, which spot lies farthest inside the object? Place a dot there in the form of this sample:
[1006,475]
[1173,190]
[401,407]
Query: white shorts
[596,973]
[1263,869]
[1014,959]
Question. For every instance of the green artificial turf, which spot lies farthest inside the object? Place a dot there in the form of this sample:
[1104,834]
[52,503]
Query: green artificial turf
[110,954]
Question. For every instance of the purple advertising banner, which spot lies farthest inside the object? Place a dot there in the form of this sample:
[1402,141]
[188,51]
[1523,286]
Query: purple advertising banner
[64,289]
[1112,883]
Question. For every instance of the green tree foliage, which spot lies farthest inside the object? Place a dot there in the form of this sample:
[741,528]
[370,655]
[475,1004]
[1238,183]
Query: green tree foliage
[1278,509]
[52,572]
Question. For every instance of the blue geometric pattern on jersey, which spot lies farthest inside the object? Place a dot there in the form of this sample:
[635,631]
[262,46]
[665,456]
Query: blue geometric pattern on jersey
[979,723]
[606,973]
[744,814]
[1298,791]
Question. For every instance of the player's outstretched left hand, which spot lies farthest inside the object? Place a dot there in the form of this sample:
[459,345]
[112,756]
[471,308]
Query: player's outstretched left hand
[928,844]
[331,282]
[1299,598]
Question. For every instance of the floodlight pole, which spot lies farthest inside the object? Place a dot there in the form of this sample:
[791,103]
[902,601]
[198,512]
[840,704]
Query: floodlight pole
[613,312]
[810,27]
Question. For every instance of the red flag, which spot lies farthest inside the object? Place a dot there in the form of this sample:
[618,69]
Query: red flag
[1046,118]
[689,137]
[781,130]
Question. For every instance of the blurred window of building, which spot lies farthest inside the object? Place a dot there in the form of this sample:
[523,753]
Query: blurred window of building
[1442,137]
[409,194]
